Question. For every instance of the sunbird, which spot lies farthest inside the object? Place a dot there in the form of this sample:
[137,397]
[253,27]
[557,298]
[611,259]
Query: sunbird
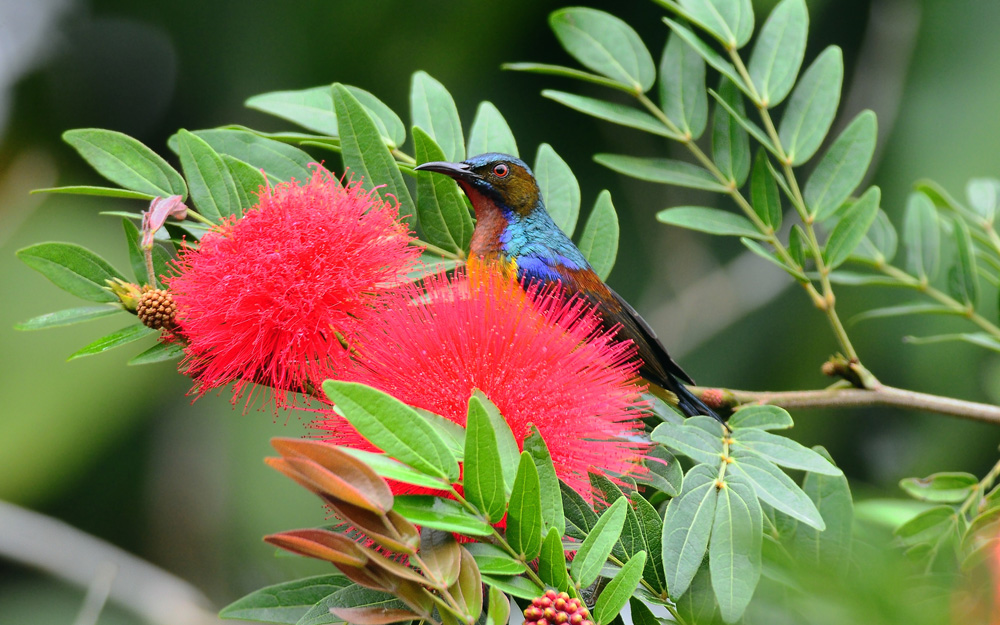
[514,231]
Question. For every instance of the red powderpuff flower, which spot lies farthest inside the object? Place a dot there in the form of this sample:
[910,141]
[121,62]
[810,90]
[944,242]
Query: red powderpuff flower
[272,298]
[540,356]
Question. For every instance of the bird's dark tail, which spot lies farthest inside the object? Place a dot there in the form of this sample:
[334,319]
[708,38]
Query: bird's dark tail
[686,401]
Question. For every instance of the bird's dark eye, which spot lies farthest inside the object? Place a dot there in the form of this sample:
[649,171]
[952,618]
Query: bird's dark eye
[500,170]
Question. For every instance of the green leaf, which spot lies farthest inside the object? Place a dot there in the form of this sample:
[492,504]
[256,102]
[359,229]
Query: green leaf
[812,107]
[558,187]
[599,240]
[281,161]
[596,548]
[777,489]
[68,317]
[781,451]
[524,513]
[917,308]
[552,561]
[730,143]
[682,87]
[981,339]
[831,548]
[286,602]
[389,125]
[515,586]
[687,526]
[842,168]
[664,471]
[965,284]
[761,418]
[851,229]
[928,526]
[126,161]
[580,517]
[690,440]
[710,220]
[498,608]
[616,594]
[605,44]
[433,110]
[735,550]
[552,509]
[643,531]
[711,57]
[124,336]
[984,196]
[611,112]
[99,191]
[764,190]
[353,596]
[566,72]
[778,53]
[751,128]
[72,268]
[391,469]
[663,170]
[247,179]
[310,108]
[442,212]
[880,242]
[940,487]
[161,352]
[137,257]
[440,514]
[483,475]
[493,560]
[922,236]
[365,153]
[761,251]
[510,453]
[697,605]
[393,427]
[490,132]
[730,21]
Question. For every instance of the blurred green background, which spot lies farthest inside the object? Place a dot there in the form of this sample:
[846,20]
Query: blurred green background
[122,454]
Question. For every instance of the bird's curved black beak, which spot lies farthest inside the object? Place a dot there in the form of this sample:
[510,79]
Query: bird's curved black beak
[458,171]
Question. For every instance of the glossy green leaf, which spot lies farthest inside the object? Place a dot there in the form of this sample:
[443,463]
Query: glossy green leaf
[498,608]
[851,229]
[599,240]
[286,602]
[281,161]
[842,168]
[389,125]
[730,143]
[831,548]
[927,526]
[687,526]
[881,241]
[706,52]
[433,110]
[310,108]
[137,257]
[524,513]
[493,560]
[710,220]
[781,451]
[365,154]
[349,597]
[611,112]
[442,212]
[391,469]
[606,493]
[490,132]
[558,187]
[744,122]
[68,317]
[98,191]
[552,561]
[605,44]
[126,161]
[763,252]
[663,170]
[689,440]
[916,308]
[580,517]
[922,236]
[761,417]
[779,50]
[981,339]
[439,514]
[776,489]
[510,453]
[552,509]
[812,107]
[729,21]
[797,242]
[566,72]
[161,352]
[482,477]
[697,604]
[596,548]
[965,283]
[616,594]
[643,531]
[940,487]
[126,335]
[664,471]
[735,549]
[516,586]
[212,187]
[984,197]
[393,427]
[249,181]
[72,268]
[764,191]
[682,87]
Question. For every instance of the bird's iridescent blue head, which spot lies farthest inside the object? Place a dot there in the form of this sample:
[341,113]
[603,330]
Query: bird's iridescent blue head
[501,179]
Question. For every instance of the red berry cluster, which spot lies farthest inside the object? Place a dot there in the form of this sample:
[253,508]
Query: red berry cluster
[556,609]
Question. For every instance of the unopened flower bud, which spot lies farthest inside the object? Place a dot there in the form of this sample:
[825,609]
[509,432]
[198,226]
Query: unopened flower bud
[156,308]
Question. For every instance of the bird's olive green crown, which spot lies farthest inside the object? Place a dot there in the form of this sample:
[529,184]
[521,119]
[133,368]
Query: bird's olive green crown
[502,178]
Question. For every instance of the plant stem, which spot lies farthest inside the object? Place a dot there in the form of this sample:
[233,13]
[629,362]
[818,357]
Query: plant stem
[981,488]
[440,251]
[193,214]
[878,395]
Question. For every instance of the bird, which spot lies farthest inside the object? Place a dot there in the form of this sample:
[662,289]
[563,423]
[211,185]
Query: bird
[515,231]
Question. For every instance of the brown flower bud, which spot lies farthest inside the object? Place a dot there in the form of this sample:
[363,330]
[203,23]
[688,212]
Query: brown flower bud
[156,308]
